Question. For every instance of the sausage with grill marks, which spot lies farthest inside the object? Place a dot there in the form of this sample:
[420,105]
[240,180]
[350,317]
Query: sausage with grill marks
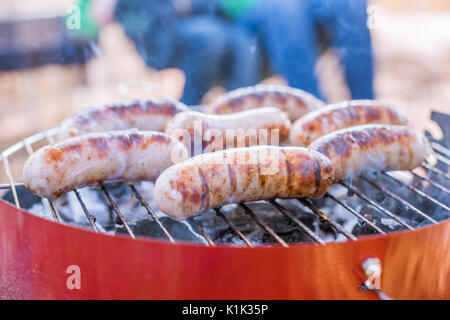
[295,102]
[242,174]
[150,115]
[343,115]
[118,155]
[246,128]
[373,148]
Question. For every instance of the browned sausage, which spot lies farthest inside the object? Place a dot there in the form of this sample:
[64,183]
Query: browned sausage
[140,114]
[242,174]
[295,102]
[217,132]
[126,155]
[342,115]
[372,148]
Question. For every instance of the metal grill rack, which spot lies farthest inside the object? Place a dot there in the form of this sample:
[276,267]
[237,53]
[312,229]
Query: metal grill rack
[434,172]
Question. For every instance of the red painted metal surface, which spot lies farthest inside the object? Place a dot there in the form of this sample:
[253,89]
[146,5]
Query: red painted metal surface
[35,254]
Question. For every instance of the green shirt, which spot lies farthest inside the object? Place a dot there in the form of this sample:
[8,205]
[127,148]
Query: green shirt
[88,26]
[235,8]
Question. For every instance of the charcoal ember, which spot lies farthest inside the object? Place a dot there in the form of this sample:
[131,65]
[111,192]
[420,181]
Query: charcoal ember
[70,210]
[27,198]
[287,229]
[401,208]
[118,190]
[179,230]
[362,229]
[220,231]
[381,220]
[294,235]
[380,196]
[438,215]
[216,227]
[289,232]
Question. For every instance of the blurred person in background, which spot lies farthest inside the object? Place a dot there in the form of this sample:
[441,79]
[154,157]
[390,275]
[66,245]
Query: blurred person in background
[215,42]
[185,34]
[292,33]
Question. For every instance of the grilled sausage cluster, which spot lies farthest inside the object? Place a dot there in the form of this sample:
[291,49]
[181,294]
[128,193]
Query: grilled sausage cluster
[343,140]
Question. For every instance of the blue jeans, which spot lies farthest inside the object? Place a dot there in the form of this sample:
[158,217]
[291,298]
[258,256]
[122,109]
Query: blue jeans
[289,33]
[211,52]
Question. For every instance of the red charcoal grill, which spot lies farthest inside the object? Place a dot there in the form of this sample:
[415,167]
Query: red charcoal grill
[37,255]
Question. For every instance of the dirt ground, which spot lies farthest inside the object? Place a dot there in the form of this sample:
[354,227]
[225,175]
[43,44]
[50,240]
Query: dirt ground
[412,49]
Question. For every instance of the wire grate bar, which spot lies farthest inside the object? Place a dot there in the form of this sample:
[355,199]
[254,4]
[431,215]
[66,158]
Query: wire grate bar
[11,180]
[442,159]
[49,135]
[404,202]
[435,170]
[336,226]
[263,225]
[8,185]
[35,138]
[420,192]
[440,148]
[89,216]
[119,215]
[151,212]
[203,232]
[233,227]
[437,185]
[376,205]
[53,210]
[355,213]
[294,219]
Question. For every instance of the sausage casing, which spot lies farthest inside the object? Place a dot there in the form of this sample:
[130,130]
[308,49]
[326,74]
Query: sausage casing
[246,128]
[126,155]
[372,148]
[242,174]
[343,115]
[150,115]
[295,102]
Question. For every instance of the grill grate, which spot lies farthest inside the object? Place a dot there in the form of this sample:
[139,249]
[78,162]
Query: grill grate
[441,155]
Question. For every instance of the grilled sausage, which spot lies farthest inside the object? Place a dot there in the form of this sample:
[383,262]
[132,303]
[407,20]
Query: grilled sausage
[372,148]
[242,174]
[295,102]
[239,129]
[126,155]
[342,115]
[140,114]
